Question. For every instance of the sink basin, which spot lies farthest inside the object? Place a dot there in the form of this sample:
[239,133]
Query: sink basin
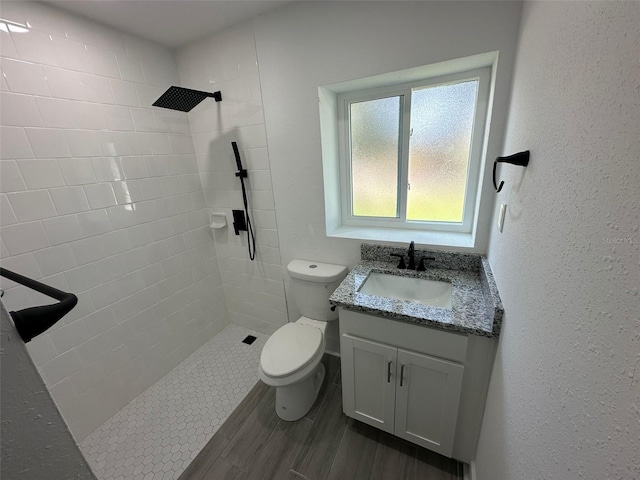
[421,290]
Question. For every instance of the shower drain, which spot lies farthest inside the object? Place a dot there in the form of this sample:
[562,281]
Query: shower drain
[249,339]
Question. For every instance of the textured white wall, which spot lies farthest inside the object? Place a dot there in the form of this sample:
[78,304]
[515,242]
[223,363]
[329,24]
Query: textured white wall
[226,61]
[36,442]
[100,196]
[564,400]
[309,44]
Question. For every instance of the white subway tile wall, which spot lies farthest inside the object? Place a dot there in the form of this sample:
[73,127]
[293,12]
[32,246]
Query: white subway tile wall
[100,195]
[227,61]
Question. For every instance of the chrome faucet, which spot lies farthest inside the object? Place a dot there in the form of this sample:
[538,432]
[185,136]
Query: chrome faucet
[412,254]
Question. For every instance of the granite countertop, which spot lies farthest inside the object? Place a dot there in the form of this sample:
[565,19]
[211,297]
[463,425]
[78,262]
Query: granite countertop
[476,307]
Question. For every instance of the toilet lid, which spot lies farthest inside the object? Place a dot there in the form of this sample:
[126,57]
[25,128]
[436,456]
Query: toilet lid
[289,349]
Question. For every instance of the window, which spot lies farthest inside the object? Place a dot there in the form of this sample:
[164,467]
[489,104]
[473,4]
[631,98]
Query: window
[411,154]
[404,152]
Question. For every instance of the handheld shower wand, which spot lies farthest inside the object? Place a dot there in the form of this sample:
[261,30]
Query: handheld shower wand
[237,218]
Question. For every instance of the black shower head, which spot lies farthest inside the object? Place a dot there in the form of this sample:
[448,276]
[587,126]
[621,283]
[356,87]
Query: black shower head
[184,99]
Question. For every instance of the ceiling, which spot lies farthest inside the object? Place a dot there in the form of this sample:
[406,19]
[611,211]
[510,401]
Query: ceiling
[171,23]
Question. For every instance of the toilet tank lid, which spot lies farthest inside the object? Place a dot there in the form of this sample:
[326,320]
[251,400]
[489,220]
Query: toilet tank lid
[316,271]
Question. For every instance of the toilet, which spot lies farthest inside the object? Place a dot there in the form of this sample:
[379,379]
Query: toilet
[291,357]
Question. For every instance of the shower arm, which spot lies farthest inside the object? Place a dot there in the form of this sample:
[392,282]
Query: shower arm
[31,322]
[217,96]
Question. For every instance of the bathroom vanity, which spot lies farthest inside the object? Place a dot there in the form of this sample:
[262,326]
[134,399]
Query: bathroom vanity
[410,366]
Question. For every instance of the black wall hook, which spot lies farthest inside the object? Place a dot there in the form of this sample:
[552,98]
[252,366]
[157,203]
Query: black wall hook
[521,159]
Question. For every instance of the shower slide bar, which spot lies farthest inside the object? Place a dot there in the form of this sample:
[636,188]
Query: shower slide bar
[31,322]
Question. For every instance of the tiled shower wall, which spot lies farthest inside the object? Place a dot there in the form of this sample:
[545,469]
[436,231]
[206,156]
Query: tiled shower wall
[100,196]
[227,61]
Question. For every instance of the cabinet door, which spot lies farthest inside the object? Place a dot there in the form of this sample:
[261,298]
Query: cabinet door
[427,397]
[368,381]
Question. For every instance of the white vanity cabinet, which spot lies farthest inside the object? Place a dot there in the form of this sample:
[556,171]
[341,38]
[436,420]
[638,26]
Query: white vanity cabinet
[427,400]
[368,382]
[411,395]
[409,381]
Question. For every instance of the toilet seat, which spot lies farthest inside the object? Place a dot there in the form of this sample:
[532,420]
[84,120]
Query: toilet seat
[290,349]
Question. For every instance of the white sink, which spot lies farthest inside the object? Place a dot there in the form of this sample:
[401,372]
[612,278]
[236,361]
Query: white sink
[421,290]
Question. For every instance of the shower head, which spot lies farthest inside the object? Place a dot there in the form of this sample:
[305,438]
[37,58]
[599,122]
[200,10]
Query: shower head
[184,99]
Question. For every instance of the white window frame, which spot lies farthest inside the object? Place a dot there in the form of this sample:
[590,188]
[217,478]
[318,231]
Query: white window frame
[483,75]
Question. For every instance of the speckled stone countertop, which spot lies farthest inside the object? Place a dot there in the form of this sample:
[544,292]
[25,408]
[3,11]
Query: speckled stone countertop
[476,307]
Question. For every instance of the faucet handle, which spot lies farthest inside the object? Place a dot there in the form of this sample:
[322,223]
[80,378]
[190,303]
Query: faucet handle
[401,257]
[421,267]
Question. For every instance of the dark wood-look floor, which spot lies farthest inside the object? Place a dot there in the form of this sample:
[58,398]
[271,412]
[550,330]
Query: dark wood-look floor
[324,445]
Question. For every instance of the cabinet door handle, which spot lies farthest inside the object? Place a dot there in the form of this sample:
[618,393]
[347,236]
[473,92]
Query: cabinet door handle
[388,372]
[401,374]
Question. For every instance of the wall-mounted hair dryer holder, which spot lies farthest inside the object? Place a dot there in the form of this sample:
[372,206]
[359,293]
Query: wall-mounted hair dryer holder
[521,159]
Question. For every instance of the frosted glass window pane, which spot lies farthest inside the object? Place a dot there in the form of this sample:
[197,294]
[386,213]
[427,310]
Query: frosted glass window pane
[375,137]
[441,126]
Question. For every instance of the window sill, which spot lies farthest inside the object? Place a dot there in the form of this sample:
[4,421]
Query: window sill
[440,239]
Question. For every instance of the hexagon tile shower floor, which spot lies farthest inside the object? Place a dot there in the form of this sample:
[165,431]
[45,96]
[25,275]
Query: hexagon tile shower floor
[161,431]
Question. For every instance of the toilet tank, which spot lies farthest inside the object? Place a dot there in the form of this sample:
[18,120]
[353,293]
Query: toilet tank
[312,283]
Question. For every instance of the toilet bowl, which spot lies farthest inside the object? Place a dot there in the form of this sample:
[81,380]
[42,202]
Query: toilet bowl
[291,362]
[291,358]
